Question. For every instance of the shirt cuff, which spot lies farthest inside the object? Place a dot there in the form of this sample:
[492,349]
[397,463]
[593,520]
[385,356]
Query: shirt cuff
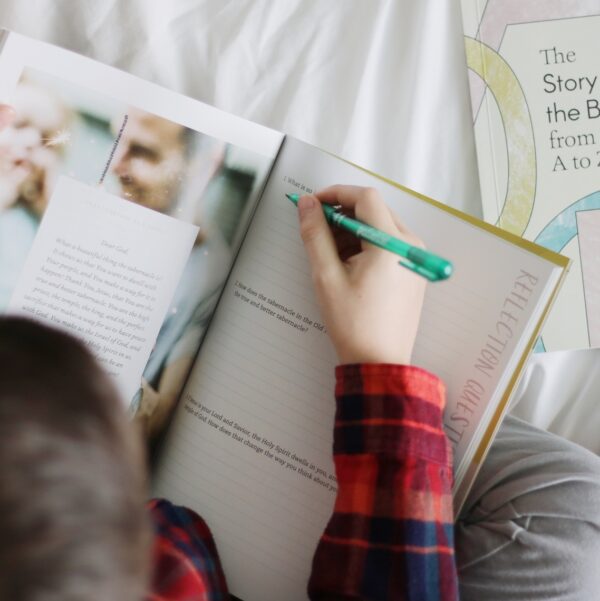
[390,409]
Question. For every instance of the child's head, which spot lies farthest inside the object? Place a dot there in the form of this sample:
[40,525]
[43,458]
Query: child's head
[72,478]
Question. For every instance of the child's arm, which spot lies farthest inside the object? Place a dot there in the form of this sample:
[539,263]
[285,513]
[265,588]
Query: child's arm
[391,534]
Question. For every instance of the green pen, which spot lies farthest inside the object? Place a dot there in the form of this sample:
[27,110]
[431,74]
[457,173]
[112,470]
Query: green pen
[423,262]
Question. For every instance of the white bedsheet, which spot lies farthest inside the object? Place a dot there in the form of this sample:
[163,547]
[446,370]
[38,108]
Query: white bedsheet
[380,82]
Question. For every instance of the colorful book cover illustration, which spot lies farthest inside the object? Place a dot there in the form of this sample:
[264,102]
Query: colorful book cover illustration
[535,90]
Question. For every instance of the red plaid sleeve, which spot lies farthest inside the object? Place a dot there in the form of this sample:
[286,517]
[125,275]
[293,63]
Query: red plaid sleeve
[391,534]
[186,563]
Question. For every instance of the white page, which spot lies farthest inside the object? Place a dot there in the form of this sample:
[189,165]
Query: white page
[104,269]
[269,368]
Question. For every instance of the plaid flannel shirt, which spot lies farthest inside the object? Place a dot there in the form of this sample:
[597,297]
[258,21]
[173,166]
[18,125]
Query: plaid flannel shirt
[391,534]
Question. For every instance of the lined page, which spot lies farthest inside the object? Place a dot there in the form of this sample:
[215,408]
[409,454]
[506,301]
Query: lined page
[250,448]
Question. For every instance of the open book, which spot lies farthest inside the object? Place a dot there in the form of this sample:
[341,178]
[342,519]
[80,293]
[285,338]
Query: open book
[156,228]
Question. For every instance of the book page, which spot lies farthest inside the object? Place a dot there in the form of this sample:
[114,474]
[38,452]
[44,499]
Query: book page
[250,447]
[104,270]
[147,145]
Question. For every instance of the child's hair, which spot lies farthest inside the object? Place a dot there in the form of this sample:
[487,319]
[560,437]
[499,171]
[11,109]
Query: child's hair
[73,524]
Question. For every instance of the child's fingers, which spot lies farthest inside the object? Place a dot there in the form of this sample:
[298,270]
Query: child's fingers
[318,240]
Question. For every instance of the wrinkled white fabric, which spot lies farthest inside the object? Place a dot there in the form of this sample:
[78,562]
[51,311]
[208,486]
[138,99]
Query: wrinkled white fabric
[569,384]
[376,82]
[382,83]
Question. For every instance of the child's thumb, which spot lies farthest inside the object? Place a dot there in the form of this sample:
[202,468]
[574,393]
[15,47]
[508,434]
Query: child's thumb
[318,239]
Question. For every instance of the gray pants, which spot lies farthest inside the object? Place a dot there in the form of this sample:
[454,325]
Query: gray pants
[530,528]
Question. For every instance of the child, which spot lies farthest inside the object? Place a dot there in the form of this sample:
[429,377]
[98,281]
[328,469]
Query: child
[72,476]
[74,524]
[72,519]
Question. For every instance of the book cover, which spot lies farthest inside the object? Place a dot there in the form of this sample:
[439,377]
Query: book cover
[535,91]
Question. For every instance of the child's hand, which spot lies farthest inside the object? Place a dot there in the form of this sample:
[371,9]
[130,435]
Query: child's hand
[370,304]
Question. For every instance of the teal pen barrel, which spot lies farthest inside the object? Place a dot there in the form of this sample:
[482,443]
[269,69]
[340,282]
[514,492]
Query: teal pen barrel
[425,263]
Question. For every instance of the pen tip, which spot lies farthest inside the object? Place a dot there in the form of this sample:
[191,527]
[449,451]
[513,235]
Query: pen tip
[293,197]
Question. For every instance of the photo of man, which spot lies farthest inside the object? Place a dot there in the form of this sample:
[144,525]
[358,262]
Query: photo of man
[151,160]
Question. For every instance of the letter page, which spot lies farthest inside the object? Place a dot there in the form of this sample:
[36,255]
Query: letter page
[104,269]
